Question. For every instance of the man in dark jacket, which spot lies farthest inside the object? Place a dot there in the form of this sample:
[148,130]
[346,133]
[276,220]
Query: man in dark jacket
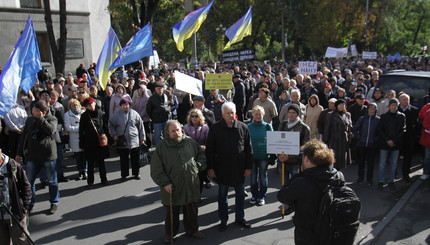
[304,194]
[392,127]
[411,113]
[158,109]
[39,142]
[229,158]
[15,194]
[239,96]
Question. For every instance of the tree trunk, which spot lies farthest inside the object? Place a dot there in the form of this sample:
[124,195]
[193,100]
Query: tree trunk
[58,52]
[147,10]
[136,20]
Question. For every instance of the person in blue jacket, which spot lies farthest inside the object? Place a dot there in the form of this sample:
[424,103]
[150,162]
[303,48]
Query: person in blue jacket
[259,180]
[365,130]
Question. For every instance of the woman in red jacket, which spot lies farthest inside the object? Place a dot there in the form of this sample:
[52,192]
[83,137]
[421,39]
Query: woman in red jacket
[425,139]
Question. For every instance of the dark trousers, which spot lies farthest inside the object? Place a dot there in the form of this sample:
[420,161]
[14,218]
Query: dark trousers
[13,141]
[125,155]
[190,211]
[366,157]
[148,133]
[407,153]
[93,161]
[239,112]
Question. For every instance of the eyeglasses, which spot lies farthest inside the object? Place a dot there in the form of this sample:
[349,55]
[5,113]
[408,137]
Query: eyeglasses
[194,116]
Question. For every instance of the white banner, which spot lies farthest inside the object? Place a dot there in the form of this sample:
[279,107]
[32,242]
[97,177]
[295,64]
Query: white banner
[354,50]
[188,84]
[308,67]
[336,52]
[370,55]
[286,142]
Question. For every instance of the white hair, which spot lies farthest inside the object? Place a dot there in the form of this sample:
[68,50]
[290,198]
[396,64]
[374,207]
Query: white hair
[404,95]
[228,105]
[295,91]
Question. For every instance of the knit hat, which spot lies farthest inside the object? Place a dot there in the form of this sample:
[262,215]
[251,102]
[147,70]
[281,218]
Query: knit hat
[124,101]
[294,107]
[393,100]
[338,102]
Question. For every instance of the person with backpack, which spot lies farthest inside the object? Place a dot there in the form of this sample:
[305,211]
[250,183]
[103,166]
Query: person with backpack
[321,200]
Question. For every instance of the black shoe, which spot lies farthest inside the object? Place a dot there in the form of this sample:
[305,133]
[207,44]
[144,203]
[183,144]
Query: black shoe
[391,186]
[243,223]
[84,176]
[53,209]
[105,182]
[222,226]
[43,185]
[380,185]
[369,183]
[123,179]
[359,181]
[288,211]
[407,179]
[137,177]
[63,179]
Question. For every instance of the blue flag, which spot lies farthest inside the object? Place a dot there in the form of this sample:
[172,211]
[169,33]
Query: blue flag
[139,46]
[20,69]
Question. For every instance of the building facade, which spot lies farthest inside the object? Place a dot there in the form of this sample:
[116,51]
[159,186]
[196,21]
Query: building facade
[87,25]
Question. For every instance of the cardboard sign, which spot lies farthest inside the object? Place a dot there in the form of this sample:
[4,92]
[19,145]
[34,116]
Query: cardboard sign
[188,84]
[279,142]
[308,67]
[370,55]
[218,81]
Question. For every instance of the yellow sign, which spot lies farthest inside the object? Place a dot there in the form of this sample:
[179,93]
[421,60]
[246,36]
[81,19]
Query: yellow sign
[218,81]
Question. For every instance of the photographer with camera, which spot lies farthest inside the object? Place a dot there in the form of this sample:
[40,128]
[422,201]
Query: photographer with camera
[15,196]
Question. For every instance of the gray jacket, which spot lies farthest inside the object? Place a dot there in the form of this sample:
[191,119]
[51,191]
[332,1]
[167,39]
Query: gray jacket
[129,122]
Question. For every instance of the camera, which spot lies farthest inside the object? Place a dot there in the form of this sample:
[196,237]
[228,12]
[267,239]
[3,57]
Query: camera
[34,134]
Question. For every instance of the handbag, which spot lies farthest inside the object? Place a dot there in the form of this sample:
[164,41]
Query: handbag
[102,138]
[122,141]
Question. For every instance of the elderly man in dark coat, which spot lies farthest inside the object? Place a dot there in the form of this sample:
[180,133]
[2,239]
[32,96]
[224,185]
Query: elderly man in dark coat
[229,155]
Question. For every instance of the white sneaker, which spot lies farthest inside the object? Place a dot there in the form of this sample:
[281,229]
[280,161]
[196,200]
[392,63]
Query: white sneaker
[424,177]
[261,202]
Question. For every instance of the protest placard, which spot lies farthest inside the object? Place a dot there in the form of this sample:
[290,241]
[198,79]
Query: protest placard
[308,67]
[279,142]
[188,84]
[218,81]
[370,55]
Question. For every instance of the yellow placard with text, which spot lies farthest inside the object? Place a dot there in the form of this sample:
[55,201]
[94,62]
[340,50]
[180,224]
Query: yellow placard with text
[218,81]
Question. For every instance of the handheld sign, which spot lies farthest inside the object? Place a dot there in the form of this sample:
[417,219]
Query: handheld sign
[188,84]
[218,81]
[308,67]
[282,142]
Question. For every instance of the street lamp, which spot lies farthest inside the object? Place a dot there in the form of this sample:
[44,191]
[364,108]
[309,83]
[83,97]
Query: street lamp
[220,30]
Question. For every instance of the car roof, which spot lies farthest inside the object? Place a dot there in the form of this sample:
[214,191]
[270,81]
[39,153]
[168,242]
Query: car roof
[408,73]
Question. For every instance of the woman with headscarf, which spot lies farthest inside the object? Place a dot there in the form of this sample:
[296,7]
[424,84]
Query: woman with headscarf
[120,93]
[337,133]
[313,111]
[140,98]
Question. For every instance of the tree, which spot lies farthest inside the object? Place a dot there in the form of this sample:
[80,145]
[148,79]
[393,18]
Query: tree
[58,51]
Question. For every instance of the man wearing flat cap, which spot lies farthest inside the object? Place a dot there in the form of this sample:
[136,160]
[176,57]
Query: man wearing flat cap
[158,109]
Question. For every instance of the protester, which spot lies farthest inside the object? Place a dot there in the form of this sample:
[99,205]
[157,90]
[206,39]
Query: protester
[174,167]
[313,111]
[127,124]
[229,156]
[365,130]
[15,195]
[304,195]
[90,127]
[392,127]
[295,99]
[214,103]
[424,116]
[199,103]
[268,105]
[39,131]
[259,181]
[158,109]
[337,134]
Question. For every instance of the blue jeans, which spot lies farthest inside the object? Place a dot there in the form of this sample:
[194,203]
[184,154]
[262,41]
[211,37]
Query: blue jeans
[33,169]
[427,160]
[223,204]
[158,130]
[259,179]
[384,156]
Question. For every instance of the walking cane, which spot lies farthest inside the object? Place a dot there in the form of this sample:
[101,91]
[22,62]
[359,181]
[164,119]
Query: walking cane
[283,182]
[171,218]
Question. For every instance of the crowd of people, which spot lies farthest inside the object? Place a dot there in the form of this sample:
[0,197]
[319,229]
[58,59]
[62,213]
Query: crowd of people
[220,135]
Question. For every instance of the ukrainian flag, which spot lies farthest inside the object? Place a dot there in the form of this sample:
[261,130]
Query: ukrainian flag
[189,25]
[107,57]
[240,29]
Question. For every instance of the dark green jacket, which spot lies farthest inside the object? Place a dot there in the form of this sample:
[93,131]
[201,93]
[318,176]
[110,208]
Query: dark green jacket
[178,163]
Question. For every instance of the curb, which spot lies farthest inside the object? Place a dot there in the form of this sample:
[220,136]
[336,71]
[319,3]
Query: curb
[370,237]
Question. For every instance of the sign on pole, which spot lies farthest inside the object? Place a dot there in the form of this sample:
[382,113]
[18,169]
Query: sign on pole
[370,55]
[308,67]
[188,84]
[354,50]
[218,81]
[279,142]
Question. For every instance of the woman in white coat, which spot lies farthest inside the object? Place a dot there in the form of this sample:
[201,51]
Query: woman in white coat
[71,122]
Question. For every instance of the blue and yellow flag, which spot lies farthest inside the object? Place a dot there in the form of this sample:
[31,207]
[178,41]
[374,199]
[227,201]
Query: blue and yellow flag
[189,25]
[21,68]
[240,29]
[107,56]
[139,46]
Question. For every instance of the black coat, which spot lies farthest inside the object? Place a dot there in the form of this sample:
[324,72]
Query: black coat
[304,195]
[88,135]
[392,126]
[239,94]
[229,152]
[158,108]
[357,111]
[411,114]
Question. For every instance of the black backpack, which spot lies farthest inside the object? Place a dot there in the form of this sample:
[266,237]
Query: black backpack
[339,212]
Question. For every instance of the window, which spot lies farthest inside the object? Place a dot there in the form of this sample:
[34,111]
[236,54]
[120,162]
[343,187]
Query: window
[31,4]
[43,41]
